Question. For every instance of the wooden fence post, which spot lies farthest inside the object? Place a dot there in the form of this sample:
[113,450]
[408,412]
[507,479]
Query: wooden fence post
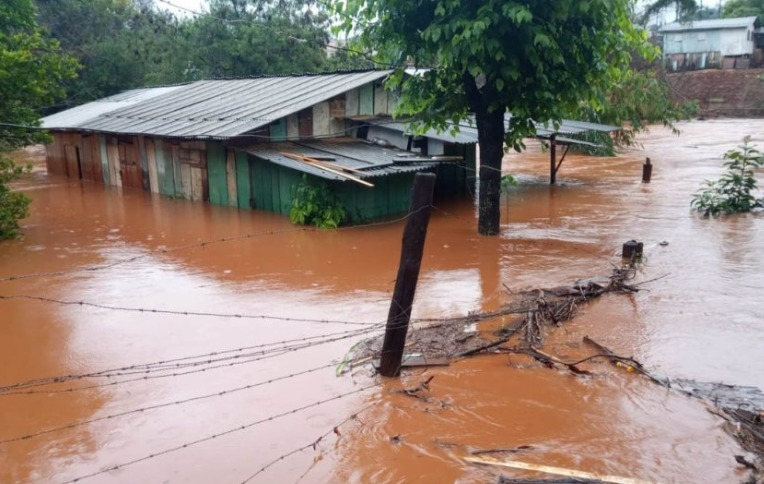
[408,274]
[647,171]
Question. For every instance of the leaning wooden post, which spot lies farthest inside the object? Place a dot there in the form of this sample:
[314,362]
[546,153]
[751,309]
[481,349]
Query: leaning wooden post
[553,159]
[408,273]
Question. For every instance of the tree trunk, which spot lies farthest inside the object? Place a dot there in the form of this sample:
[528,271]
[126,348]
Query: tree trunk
[491,140]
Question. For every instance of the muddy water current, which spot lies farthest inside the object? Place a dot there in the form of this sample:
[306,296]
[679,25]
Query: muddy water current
[223,355]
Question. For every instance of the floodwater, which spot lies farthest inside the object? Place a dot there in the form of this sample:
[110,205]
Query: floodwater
[245,318]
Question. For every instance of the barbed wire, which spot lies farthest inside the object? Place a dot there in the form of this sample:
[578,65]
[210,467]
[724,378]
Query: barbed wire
[164,405]
[14,389]
[182,313]
[313,444]
[220,434]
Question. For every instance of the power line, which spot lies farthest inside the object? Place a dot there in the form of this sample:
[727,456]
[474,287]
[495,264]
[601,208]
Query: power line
[178,312]
[220,434]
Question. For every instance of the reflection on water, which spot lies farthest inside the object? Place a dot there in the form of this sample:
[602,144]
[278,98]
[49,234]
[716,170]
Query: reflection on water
[700,319]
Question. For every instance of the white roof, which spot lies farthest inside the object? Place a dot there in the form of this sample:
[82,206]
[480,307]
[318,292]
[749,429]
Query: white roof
[722,23]
[76,117]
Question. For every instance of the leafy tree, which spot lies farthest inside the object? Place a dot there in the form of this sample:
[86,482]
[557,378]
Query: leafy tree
[534,58]
[121,44]
[640,98]
[246,37]
[31,73]
[744,8]
[685,9]
[735,191]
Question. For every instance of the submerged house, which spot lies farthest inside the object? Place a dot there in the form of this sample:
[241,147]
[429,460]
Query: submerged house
[728,43]
[248,143]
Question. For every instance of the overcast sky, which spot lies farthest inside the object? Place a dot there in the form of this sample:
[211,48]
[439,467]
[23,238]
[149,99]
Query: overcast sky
[195,5]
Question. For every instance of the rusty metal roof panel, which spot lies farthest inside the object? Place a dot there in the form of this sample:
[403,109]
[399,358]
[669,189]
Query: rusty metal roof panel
[79,116]
[373,160]
[227,108]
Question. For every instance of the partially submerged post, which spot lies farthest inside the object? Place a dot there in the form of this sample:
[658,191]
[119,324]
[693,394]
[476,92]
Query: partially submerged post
[408,274]
[632,250]
[553,159]
[647,171]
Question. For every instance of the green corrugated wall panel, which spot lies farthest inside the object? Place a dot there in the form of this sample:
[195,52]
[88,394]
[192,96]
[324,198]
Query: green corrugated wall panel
[400,192]
[288,181]
[260,175]
[216,176]
[104,159]
[243,185]
[165,172]
[278,130]
[366,99]
[275,189]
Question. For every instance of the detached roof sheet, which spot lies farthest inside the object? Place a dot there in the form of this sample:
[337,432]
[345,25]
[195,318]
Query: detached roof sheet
[468,134]
[225,108]
[80,116]
[722,23]
[373,160]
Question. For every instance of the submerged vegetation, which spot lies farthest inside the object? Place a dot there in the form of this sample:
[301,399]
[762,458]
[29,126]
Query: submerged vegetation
[315,204]
[735,191]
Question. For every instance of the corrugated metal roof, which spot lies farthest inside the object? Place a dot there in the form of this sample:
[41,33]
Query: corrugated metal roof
[722,23]
[81,115]
[468,134]
[227,108]
[373,160]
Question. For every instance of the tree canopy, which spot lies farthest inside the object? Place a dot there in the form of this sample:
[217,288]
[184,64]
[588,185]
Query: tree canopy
[31,72]
[536,59]
[123,44]
[744,8]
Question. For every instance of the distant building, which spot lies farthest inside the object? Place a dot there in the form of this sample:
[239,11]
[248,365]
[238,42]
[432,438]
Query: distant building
[728,43]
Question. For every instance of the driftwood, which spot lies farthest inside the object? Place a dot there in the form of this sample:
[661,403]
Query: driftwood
[554,306]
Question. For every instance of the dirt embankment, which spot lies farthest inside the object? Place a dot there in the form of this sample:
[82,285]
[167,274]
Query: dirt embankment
[728,93]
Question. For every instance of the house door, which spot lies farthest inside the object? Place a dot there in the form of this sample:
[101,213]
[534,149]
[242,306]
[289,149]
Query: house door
[129,168]
[73,164]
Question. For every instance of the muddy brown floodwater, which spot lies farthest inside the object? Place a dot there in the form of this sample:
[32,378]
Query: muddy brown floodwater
[268,378]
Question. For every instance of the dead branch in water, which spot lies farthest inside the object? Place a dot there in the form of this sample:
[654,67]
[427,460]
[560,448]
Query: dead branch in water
[552,307]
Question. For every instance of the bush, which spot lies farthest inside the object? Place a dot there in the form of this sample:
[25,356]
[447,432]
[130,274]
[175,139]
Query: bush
[735,191]
[315,204]
[13,205]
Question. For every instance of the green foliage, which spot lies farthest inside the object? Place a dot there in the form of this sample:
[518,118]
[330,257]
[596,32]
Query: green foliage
[534,58]
[315,204]
[639,99]
[744,8]
[124,44]
[735,191]
[31,72]
[13,205]
[507,182]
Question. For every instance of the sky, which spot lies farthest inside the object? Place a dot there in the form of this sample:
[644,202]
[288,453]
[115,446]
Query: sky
[195,5]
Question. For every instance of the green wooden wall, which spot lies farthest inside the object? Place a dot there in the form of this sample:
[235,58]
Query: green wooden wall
[216,174]
[272,186]
[243,186]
